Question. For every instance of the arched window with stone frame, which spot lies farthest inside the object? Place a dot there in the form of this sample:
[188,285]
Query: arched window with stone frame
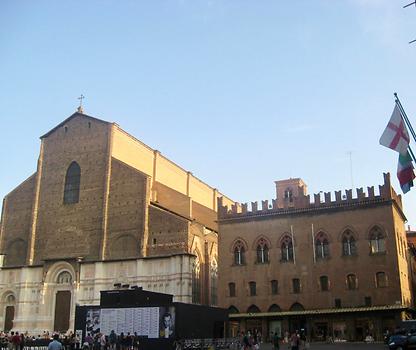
[349,245]
[321,246]
[262,251]
[377,240]
[239,253]
[72,184]
[286,248]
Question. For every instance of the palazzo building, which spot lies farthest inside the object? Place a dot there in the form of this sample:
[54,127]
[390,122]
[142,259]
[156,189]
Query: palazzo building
[101,210]
[335,267]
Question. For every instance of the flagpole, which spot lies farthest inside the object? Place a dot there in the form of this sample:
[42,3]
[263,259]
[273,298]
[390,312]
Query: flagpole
[407,121]
[404,116]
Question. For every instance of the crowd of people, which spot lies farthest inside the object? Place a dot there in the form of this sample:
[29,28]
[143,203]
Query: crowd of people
[70,341]
[252,340]
[18,341]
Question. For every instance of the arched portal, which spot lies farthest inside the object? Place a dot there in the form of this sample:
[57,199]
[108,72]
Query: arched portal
[63,302]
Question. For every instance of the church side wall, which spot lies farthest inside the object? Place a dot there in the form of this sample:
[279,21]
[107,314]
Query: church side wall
[167,233]
[127,210]
[16,222]
[72,230]
[162,170]
[132,152]
[205,216]
[171,199]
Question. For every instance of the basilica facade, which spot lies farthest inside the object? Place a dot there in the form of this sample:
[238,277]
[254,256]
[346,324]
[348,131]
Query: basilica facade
[103,210]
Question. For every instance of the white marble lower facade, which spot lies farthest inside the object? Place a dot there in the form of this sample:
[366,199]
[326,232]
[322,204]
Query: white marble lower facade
[31,292]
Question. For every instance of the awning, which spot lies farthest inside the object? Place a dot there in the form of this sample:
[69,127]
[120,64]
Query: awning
[322,311]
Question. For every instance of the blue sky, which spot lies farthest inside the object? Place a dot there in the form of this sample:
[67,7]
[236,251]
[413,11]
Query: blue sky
[241,93]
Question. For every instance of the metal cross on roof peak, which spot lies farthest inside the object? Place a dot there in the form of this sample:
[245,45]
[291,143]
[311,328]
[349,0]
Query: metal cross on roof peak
[80,109]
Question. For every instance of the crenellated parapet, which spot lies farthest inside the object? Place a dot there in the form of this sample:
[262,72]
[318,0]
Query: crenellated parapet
[321,200]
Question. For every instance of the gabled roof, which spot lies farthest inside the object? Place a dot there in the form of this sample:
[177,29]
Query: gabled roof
[76,114]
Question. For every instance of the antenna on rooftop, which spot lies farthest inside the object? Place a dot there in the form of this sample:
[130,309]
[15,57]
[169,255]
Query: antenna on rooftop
[351,175]
[412,3]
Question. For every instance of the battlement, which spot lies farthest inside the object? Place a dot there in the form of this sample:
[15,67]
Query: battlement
[319,200]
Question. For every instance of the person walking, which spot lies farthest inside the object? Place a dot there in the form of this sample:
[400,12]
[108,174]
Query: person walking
[55,344]
[113,340]
[276,339]
[294,341]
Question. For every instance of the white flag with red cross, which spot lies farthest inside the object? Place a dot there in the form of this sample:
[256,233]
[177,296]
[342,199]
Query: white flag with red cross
[395,136]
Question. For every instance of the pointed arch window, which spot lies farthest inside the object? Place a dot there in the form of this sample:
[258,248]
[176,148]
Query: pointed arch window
[72,184]
[349,246]
[196,282]
[239,253]
[214,282]
[253,309]
[289,195]
[377,241]
[233,310]
[321,246]
[286,249]
[262,251]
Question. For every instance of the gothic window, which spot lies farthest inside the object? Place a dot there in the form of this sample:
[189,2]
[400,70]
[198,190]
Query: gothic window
[274,308]
[381,280]
[233,310]
[72,184]
[231,289]
[296,285]
[214,282]
[352,282]
[324,283]
[297,307]
[252,286]
[321,246]
[274,287]
[196,282]
[239,257]
[262,252]
[349,246]
[289,195]
[377,241]
[64,278]
[253,309]
[287,249]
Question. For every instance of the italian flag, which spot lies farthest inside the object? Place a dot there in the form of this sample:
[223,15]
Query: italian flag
[405,172]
